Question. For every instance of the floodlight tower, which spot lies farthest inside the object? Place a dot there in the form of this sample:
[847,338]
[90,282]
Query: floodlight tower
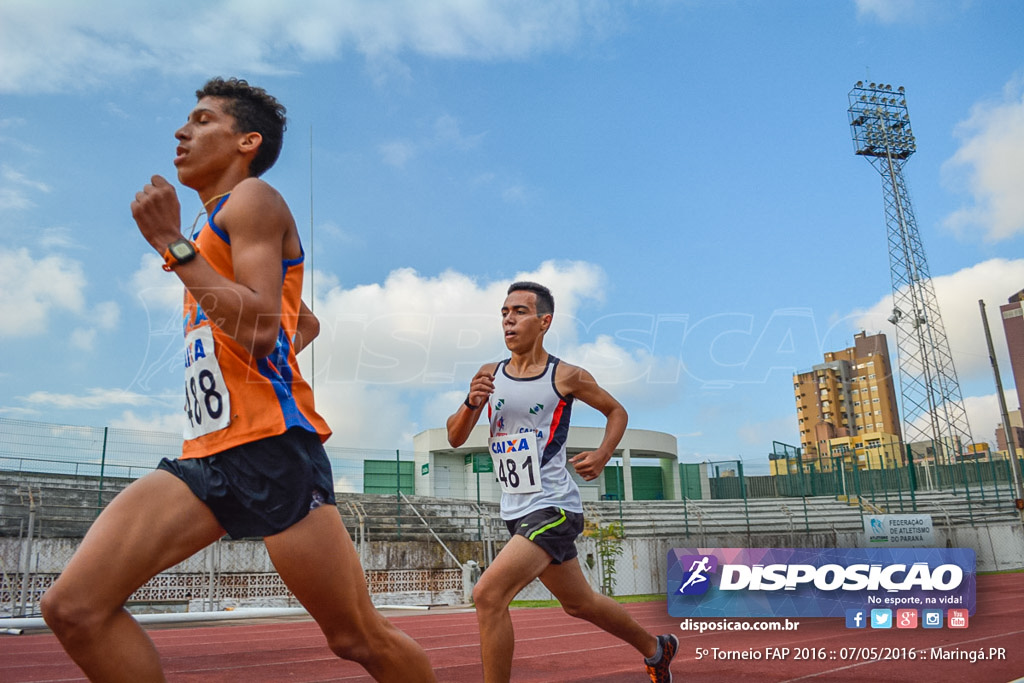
[933,407]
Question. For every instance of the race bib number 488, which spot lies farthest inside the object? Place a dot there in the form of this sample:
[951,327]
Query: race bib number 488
[207,402]
[516,462]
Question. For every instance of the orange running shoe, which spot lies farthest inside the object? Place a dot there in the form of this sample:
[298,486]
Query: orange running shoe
[659,671]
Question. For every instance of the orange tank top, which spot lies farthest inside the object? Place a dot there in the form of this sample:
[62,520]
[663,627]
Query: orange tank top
[232,398]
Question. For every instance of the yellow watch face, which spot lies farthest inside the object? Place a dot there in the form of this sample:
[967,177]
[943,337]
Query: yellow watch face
[181,249]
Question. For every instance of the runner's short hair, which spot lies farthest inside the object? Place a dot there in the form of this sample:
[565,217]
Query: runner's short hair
[545,302]
[254,110]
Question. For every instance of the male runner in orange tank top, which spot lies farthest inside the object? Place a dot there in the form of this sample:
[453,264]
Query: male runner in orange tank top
[253,463]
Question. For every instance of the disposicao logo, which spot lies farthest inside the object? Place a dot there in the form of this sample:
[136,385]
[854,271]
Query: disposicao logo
[818,582]
[696,579]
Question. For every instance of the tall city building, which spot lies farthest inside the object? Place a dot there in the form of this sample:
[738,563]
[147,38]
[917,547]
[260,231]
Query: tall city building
[1013,325]
[1002,444]
[852,393]
[1012,314]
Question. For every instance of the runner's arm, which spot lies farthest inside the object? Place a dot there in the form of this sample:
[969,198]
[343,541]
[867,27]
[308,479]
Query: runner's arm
[582,386]
[308,328]
[460,424]
[247,308]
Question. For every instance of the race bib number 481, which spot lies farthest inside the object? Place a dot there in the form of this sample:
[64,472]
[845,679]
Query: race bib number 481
[207,402]
[516,462]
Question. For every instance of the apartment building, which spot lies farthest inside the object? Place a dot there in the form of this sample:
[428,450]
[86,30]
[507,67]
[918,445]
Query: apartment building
[850,394]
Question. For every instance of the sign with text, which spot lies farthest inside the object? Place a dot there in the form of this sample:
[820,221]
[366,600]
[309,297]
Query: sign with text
[817,582]
[905,531]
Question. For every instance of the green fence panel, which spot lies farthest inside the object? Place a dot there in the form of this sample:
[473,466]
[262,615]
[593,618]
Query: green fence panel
[379,476]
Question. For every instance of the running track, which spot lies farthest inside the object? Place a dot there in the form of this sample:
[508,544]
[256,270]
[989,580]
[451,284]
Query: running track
[553,647]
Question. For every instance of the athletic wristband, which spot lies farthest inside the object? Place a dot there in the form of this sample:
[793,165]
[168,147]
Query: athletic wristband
[470,405]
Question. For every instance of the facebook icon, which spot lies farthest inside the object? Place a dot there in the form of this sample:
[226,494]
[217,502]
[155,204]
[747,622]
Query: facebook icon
[856,618]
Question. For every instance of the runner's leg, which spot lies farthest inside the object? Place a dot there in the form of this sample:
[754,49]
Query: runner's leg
[518,563]
[578,599]
[318,562]
[153,524]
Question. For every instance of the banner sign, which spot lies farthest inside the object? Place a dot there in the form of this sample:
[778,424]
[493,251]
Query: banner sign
[817,582]
[899,530]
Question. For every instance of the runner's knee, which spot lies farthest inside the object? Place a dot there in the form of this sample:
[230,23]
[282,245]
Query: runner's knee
[358,645]
[487,598]
[578,609]
[69,615]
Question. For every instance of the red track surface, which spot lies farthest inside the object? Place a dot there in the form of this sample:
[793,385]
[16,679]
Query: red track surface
[551,646]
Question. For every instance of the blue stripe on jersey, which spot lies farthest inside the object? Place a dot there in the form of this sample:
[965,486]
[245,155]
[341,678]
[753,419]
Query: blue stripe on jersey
[278,372]
[213,226]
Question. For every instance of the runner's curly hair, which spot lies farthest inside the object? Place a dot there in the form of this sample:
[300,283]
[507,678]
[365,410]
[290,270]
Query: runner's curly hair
[254,110]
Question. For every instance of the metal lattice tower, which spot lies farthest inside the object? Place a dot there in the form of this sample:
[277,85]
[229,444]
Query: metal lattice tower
[932,405]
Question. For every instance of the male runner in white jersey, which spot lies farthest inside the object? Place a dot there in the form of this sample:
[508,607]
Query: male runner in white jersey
[529,398]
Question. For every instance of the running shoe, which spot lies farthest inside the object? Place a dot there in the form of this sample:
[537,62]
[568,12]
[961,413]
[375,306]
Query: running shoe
[660,672]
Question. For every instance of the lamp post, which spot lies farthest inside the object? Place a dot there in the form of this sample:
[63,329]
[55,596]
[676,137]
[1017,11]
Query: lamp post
[932,404]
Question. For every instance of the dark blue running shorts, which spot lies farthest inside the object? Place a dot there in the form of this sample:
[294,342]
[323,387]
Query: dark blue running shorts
[553,529]
[260,488]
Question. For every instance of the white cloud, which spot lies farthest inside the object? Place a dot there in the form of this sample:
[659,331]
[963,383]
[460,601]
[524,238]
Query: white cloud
[158,292]
[758,434]
[57,238]
[155,422]
[420,331]
[395,358]
[446,134]
[627,373]
[51,46]
[16,189]
[104,317]
[344,484]
[990,166]
[83,339]
[397,153]
[983,415]
[958,294]
[12,199]
[888,11]
[9,175]
[514,194]
[366,416]
[33,290]
[92,399]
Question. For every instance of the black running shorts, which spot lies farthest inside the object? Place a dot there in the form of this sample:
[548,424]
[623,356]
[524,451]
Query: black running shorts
[553,529]
[263,487]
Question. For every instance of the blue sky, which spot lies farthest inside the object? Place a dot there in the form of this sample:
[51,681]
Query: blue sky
[680,173]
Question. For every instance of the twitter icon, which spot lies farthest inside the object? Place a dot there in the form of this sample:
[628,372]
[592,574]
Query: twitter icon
[881,618]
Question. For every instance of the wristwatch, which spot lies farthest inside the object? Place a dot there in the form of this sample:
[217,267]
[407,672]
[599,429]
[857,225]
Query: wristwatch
[179,252]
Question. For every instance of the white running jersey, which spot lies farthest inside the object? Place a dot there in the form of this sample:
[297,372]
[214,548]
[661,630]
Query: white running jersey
[532,404]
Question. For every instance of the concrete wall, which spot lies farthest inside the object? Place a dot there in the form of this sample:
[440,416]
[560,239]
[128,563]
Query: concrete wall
[641,569]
